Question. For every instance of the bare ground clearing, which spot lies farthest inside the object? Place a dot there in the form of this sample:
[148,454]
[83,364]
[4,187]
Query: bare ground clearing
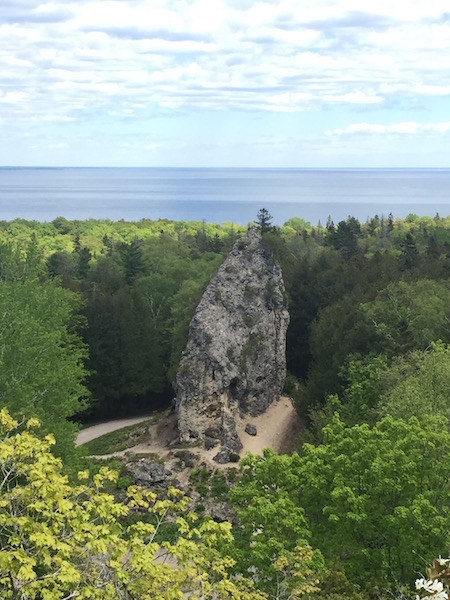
[276,428]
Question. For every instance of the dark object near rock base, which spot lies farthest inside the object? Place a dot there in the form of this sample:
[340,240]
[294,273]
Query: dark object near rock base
[210,442]
[251,429]
[223,456]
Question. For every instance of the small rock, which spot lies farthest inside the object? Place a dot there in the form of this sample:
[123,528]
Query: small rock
[213,432]
[210,442]
[221,511]
[251,429]
[223,456]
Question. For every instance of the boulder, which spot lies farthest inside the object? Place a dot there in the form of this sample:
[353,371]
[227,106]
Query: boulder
[147,474]
[251,429]
[223,456]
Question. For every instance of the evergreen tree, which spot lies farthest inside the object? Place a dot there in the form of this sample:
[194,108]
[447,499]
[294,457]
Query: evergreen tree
[410,254]
[264,220]
[132,259]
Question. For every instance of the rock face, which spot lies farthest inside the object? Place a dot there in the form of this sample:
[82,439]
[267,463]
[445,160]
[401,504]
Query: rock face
[234,362]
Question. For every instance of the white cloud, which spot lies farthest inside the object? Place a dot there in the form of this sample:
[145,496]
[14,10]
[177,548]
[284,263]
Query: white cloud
[70,61]
[404,128]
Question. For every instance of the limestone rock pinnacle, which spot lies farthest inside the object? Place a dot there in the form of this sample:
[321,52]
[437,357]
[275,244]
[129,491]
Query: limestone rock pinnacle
[234,361]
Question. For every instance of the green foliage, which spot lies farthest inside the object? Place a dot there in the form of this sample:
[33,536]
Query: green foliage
[377,498]
[418,384]
[344,237]
[42,360]
[364,377]
[374,500]
[297,224]
[141,281]
[62,541]
[410,253]
[210,483]
[272,538]
[407,316]
[264,220]
[410,385]
[132,259]
[138,319]
[140,284]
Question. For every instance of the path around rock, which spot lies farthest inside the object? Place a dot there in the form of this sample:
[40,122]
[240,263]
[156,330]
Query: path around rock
[96,431]
[275,428]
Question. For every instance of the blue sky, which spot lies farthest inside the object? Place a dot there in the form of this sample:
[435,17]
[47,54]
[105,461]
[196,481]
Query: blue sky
[280,83]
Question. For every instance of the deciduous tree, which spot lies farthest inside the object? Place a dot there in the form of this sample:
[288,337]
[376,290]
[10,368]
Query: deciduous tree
[59,541]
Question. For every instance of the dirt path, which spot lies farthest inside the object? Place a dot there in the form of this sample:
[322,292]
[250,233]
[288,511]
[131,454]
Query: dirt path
[91,433]
[275,428]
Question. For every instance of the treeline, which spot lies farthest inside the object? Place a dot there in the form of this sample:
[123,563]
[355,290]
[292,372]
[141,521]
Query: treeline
[367,303]
[359,295]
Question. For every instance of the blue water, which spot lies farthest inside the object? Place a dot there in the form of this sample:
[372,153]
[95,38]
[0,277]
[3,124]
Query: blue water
[219,195]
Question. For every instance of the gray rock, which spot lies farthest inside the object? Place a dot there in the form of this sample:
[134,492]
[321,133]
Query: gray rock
[223,456]
[251,429]
[234,361]
[221,512]
[213,432]
[230,437]
[210,442]
[147,474]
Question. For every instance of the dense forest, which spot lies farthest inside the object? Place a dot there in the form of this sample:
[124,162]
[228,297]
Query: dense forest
[94,317]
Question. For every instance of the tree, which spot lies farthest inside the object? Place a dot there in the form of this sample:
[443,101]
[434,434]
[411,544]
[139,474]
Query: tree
[390,223]
[264,220]
[374,500]
[365,378]
[62,541]
[378,498]
[406,316]
[132,259]
[42,360]
[345,237]
[272,540]
[409,252]
[418,384]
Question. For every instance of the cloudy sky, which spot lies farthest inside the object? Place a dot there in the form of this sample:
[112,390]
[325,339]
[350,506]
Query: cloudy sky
[281,83]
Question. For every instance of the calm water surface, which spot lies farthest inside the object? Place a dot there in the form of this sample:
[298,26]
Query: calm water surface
[219,195]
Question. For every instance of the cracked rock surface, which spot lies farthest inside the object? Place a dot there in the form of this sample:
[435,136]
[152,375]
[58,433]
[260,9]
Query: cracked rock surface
[234,362]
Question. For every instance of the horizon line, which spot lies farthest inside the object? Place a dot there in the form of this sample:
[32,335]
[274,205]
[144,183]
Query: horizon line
[327,168]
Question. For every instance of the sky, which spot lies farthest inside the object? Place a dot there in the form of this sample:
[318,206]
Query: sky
[225,83]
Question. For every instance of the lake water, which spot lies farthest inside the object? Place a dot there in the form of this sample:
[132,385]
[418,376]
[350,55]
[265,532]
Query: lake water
[219,195]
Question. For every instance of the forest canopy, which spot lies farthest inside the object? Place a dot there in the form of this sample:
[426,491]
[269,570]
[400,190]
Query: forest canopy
[95,316]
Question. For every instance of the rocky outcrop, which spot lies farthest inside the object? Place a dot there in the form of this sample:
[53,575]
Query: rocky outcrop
[147,474]
[234,362]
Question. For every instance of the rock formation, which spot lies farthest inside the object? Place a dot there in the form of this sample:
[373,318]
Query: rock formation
[234,362]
